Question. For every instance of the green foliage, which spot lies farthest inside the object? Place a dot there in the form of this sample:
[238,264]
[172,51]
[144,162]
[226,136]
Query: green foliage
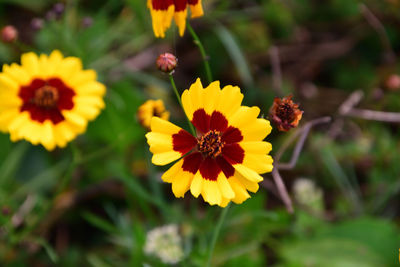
[93,202]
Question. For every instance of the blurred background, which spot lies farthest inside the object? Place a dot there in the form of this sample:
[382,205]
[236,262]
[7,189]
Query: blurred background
[100,202]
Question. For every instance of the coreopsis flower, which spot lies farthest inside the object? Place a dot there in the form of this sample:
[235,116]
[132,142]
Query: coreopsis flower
[225,158]
[285,114]
[48,100]
[163,11]
[150,109]
[165,243]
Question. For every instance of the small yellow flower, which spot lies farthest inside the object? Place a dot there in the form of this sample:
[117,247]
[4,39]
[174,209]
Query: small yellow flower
[163,11]
[226,157]
[151,108]
[48,100]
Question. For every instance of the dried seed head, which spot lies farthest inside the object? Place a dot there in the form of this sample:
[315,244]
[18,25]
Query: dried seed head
[285,114]
[166,62]
[9,34]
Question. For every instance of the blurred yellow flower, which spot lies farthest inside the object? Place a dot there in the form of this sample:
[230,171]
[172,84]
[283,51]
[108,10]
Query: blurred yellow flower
[48,100]
[163,11]
[228,154]
[150,109]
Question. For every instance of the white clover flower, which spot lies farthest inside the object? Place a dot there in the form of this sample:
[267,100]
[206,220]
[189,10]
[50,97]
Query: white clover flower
[308,194]
[165,243]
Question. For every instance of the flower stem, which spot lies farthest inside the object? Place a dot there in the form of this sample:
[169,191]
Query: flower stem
[202,52]
[171,78]
[217,230]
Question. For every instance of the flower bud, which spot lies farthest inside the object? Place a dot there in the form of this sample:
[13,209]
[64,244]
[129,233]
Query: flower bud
[9,34]
[167,63]
[393,82]
[285,114]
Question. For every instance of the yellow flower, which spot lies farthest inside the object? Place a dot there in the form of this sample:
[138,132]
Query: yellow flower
[48,100]
[163,11]
[150,109]
[227,156]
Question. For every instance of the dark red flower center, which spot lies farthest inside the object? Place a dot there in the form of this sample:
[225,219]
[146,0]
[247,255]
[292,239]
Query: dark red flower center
[45,99]
[215,151]
[210,144]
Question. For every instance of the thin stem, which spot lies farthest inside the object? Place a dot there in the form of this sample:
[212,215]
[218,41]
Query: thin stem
[217,230]
[171,78]
[202,52]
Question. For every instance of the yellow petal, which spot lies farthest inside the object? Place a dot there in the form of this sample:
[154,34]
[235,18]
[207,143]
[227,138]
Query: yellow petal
[17,73]
[251,186]
[163,126]
[6,117]
[159,142]
[82,78]
[197,185]
[240,192]
[74,118]
[30,62]
[231,99]
[257,162]
[244,116]
[47,138]
[257,130]
[249,174]
[90,88]
[170,175]
[196,9]
[192,99]
[256,147]
[224,186]
[180,20]
[211,192]
[165,157]
[211,97]
[181,183]
[8,84]
[69,67]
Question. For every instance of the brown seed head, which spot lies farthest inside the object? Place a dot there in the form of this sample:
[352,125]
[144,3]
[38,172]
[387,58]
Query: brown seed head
[285,114]
[9,34]
[166,62]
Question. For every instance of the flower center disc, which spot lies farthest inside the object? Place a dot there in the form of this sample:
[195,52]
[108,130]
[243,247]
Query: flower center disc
[210,144]
[46,97]
[286,112]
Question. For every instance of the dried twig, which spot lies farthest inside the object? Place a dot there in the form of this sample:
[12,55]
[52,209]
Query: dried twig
[305,130]
[282,190]
[347,109]
[380,29]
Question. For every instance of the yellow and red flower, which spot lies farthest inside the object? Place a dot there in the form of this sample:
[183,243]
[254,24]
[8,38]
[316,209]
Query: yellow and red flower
[224,161]
[48,100]
[149,109]
[163,11]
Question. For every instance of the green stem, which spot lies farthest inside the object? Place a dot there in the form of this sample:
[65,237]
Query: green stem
[217,230]
[202,51]
[171,78]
